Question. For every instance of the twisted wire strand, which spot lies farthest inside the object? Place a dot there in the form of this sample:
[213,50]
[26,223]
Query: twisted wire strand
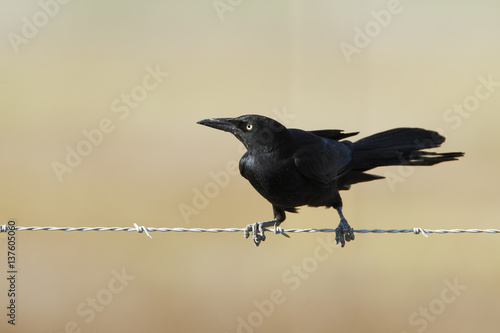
[147,230]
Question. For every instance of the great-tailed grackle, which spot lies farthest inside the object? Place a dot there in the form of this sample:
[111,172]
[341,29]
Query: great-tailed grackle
[293,167]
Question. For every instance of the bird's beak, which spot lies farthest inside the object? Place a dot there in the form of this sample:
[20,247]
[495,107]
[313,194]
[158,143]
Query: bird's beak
[223,124]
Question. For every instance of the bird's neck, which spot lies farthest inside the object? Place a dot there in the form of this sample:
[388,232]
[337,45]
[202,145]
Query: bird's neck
[278,143]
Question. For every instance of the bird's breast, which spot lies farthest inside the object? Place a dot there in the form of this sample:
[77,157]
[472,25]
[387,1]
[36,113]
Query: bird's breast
[278,180]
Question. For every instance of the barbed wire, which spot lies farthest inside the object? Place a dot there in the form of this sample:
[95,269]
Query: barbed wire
[148,230]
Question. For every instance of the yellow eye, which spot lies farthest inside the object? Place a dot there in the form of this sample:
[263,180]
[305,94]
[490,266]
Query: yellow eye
[249,127]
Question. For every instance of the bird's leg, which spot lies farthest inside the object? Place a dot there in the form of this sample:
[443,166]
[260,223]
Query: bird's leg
[344,232]
[258,228]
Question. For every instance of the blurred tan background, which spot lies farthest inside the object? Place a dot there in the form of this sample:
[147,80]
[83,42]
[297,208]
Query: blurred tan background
[143,73]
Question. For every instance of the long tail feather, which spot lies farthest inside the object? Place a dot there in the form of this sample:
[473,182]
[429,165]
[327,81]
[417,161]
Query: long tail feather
[399,146]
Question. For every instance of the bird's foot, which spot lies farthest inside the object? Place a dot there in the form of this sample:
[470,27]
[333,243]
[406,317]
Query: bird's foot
[258,229]
[343,233]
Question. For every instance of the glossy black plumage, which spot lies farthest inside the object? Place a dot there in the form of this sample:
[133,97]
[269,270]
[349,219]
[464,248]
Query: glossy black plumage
[293,167]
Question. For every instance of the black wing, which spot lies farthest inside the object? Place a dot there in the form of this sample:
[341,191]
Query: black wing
[324,161]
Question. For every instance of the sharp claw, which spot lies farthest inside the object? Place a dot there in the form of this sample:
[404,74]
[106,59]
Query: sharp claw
[261,232]
[255,234]
[256,240]
[339,237]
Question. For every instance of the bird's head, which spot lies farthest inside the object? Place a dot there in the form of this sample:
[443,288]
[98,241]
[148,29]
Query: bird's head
[257,133]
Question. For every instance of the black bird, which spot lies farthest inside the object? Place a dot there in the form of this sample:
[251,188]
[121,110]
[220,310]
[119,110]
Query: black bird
[293,167]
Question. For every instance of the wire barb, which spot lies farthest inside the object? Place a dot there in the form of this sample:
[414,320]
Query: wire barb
[419,230]
[142,229]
